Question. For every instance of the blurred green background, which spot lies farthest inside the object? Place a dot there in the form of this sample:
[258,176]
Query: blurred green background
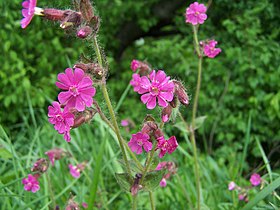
[243,79]
[242,83]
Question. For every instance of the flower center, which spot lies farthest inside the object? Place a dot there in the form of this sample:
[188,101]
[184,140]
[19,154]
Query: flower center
[140,143]
[155,90]
[197,13]
[74,90]
[59,117]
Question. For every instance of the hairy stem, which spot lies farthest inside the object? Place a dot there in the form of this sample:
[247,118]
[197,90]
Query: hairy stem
[134,202]
[110,108]
[152,201]
[193,141]
[147,167]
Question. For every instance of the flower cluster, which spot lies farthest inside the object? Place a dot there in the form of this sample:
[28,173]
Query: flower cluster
[144,139]
[171,170]
[77,94]
[155,88]
[243,192]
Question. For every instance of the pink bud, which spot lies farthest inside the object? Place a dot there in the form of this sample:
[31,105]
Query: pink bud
[84,32]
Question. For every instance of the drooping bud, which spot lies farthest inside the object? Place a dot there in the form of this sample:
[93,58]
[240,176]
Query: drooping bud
[149,127]
[84,117]
[41,166]
[91,68]
[166,113]
[72,18]
[181,92]
[86,10]
[84,32]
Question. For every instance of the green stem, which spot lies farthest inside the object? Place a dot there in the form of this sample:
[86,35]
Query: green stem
[110,108]
[152,201]
[134,202]
[51,190]
[196,166]
[148,165]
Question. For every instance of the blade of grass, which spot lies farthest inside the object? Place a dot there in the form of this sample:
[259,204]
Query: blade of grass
[96,174]
[262,194]
[265,160]
[247,141]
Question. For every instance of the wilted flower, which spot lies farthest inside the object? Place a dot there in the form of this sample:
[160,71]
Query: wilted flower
[255,179]
[62,120]
[78,89]
[31,183]
[75,171]
[164,146]
[138,141]
[196,13]
[55,154]
[41,166]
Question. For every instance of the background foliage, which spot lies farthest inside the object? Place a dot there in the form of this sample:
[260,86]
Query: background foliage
[242,81]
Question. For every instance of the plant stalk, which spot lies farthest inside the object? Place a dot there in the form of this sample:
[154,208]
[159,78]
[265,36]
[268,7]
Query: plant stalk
[152,201]
[110,108]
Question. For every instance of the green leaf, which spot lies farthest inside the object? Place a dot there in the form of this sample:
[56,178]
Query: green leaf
[125,181]
[199,121]
[4,153]
[132,164]
[262,194]
[152,180]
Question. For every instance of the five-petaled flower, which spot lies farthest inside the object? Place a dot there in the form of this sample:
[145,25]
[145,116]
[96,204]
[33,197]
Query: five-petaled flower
[164,146]
[138,141]
[28,11]
[62,120]
[78,89]
[157,87]
[209,49]
[31,183]
[196,13]
[255,179]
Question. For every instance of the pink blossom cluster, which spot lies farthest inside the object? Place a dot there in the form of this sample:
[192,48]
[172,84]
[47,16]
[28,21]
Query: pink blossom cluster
[144,138]
[171,170]
[156,88]
[243,192]
[209,48]
[77,94]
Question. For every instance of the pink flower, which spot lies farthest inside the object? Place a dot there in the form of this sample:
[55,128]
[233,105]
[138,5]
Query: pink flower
[161,166]
[74,171]
[169,145]
[124,123]
[210,50]
[134,65]
[255,179]
[156,88]
[241,197]
[231,186]
[31,183]
[136,82]
[28,11]
[78,89]
[62,120]
[85,205]
[138,141]
[196,13]
[55,154]
[162,182]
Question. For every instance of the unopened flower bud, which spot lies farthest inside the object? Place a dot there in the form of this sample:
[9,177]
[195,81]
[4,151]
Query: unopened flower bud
[166,113]
[91,68]
[41,166]
[158,133]
[143,67]
[86,9]
[95,23]
[149,127]
[84,117]
[181,92]
[84,32]
[55,14]
[136,186]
